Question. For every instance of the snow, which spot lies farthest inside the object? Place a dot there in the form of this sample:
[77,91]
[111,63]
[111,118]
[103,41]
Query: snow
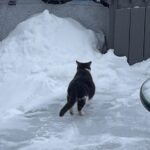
[37,61]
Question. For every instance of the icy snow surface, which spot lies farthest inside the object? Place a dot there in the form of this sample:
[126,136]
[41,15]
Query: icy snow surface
[37,61]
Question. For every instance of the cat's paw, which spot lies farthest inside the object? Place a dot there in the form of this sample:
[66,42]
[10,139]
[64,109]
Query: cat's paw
[81,113]
[71,112]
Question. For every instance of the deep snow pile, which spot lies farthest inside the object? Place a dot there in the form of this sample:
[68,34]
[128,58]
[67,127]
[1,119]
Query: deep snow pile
[37,61]
[38,58]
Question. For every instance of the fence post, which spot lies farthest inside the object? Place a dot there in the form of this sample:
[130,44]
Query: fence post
[122,32]
[112,9]
[147,34]
[137,32]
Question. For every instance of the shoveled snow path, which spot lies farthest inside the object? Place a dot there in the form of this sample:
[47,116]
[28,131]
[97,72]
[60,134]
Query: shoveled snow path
[114,119]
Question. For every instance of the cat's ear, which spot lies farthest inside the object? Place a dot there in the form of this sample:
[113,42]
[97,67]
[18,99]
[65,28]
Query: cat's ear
[77,62]
[90,63]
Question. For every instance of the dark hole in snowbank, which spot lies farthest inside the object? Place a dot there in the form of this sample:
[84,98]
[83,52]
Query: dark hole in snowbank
[56,1]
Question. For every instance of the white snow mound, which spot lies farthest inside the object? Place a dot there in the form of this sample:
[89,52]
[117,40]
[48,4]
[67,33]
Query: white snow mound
[38,57]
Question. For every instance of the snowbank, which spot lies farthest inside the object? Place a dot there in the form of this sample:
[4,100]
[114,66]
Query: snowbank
[38,59]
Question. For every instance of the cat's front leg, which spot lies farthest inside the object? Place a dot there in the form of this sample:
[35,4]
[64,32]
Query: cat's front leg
[81,113]
[71,111]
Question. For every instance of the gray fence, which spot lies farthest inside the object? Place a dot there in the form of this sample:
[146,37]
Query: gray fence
[130,29]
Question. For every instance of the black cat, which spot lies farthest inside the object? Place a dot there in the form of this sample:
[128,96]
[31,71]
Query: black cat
[81,89]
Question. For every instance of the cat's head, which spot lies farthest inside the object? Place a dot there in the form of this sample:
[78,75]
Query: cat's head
[84,66]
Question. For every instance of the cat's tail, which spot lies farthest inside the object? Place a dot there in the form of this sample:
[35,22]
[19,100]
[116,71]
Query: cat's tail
[67,106]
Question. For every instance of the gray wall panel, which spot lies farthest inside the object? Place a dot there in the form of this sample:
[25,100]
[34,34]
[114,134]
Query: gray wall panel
[17,14]
[147,34]
[123,3]
[122,26]
[3,1]
[3,10]
[90,14]
[126,3]
[137,35]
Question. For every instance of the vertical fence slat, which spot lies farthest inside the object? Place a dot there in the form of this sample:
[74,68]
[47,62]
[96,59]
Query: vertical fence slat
[122,26]
[112,9]
[147,34]
[137,35]
[130,29]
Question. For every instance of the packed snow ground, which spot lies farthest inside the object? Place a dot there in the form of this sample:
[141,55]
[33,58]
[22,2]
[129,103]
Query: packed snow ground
[37,61]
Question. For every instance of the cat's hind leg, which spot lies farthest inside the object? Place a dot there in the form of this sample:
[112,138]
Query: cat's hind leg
[80,105]
[71,111]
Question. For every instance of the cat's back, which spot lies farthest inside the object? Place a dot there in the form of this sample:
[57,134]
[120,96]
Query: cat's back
[83,78]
